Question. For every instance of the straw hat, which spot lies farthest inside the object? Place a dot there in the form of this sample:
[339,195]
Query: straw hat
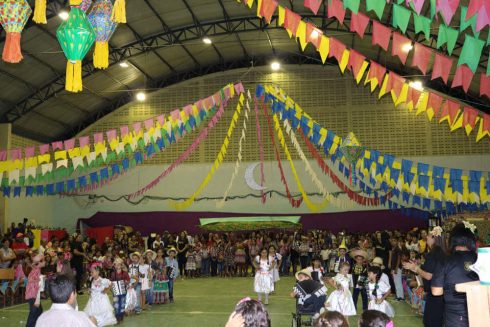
[153,254]
[378,262]
[172,249]
[303,272]
[358,253]
[135,254]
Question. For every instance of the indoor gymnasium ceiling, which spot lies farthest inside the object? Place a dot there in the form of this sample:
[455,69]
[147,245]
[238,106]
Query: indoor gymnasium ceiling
[162,44]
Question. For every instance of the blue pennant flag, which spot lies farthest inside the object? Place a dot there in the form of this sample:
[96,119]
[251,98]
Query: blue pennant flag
[474,187]
[39,190]
[455,174]
[437,172]
[104,174]
[60,187]
[388,160]
[395,174]
[6,191]
[450,208]
[202,114]
[138,157]
[375,155]
[82,181]
[125,163]
[192,121]
[395,192]
[94,178]
[295,123]
[150,150]
[368,190]
[384,187]
[439,184]
[424,181]
[457,185]
[50,189]
[259,90]
[437,205]
[17,191]
[406,197]
[406,166]
[475,175]
[160,143]
[426,203]
[422,168]
[115,168]
[70,185]
[380,169]
[416,200]
[29,191]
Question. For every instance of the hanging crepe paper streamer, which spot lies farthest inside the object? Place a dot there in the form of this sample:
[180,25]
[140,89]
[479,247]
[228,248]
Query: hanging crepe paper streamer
[352,151]
[40,12]
[104,27]
[295,203]
[221,203]
[119,12]
[76,37]
[217,163]
[13,18]
[261,148]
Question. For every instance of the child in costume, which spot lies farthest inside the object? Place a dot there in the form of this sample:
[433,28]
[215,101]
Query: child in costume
[133,297]
[172,271]
[341,299]
[120,282]
[379,290]
[35,285]
[264,282]
[160,283]
[359,276]
[276,259]
[316,269]
[98,307]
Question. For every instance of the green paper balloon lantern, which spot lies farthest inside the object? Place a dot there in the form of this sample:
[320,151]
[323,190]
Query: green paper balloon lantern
[76,36]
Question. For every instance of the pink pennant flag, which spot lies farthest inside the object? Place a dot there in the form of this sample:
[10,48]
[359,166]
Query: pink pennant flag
[137,127]
[208,102]
[291,21]
[447,8]
[462,77]
[43,148]
[3,155]
[381,35]
[421,57]
[148,123]
[16,154]
[267,9]
[124,130]
[111,135]
[175,114]
[161,120]
[83,141]
[336,9]
[238,88]
[484,85]
[313,35]
[30,152]
[418,4]
[313,5]
[359,23]
[69,144]
[336,49]
[58,145]
[188,110]
[442,67]
[473,8]
[98,138]
[483,18]
[400,46]
[227,92]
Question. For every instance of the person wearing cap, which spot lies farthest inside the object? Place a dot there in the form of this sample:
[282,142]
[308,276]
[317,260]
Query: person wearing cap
[172,271]
[311,295]
[135,282]
[18,245]
[378,262]
[359,277]
[342,256]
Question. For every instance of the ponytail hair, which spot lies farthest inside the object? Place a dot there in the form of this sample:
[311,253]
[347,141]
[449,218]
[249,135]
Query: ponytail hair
[377,271]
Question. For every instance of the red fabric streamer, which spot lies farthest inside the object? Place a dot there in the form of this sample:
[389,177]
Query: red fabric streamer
[400,46]
[336,9]
[376,71]
[421,57]
[463,77]
[381,35]
[295,203]
[359,23]
[442,67]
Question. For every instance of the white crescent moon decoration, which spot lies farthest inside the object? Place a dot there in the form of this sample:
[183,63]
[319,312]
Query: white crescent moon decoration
[249,178]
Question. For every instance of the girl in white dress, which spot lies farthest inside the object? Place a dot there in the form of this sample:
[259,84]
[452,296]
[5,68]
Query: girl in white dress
[98,307]
[276,258]
[264,283]
[379,290]
[341,299]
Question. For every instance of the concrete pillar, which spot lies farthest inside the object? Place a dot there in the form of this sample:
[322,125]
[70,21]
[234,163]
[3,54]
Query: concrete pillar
[5,140]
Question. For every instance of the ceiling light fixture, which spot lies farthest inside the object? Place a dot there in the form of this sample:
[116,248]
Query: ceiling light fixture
[124,64]
[207,40]
[63,15]
[407,47]
[314,34]
[141,96]
[275,65]
[417,85]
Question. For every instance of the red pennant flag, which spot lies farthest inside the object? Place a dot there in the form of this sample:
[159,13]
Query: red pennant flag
[442,67]
[267,9]
[469,117]
[356,60]
[291,21]
[413,95]
[313,35]
[401,46]
[450,109]
[381,35]
[434,102]
[376,71]
[462,77]
[484,85]
[313,5]
[421,57]
[358,23]
[336,49]
[336,9]
[395,83]
[473,8]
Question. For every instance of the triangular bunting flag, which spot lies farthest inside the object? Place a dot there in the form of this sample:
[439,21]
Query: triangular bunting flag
[336,49]
[401,17]
[267,9]
[381,35]
[465,23]
[324,48]
[447,8]
[470,117]
[357,64]
[485,86]
[313,5]
[416,5]
[375,75]
[313,35]
[291,21]
[336,9]
[358,23]
[447,36]
[413,97]
[442,67]
[301,35]
[378,6]
[433,105]
[471,52]
[401,46]
[450,110]
[421,57]
[422,24]
[462,77]
[484,128]
[353,5]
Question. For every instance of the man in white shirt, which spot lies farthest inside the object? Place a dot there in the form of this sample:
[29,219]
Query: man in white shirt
[62,312]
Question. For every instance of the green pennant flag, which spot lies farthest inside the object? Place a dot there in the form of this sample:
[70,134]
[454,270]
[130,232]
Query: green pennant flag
[447,35]
[470,22]
[471,52]
[378,6]
[422,24]
[433,8]
[401,17]
[488,66]
[353,5]
[488,39]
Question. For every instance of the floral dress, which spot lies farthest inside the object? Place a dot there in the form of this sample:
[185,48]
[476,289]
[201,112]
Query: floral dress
[160,285]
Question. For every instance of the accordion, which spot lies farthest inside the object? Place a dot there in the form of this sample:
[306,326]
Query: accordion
[118,287]
[171,272]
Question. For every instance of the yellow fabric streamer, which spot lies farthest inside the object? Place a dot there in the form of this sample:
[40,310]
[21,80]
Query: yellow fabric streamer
[40,12]
[73,76]
[101,55]
[217,163]
[119,11]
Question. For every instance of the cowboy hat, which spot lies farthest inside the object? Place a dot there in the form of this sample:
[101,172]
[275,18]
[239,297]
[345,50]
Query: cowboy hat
[172,249]
[377,262]
[358,253]
[153,254]
[135,254]
[305,272]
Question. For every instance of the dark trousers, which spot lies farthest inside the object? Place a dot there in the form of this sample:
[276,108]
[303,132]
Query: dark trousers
[304,261]
[434,311]
[294,261]
[181,260]
[79,275]
[355,296]
[119,302]
[214,267]
[34,313]
[171,289]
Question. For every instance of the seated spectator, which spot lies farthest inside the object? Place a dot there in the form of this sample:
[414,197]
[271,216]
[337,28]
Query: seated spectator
[62,312]
[249,313]
[331,319]
[7,255]
[311,295]
[374,318]
[19,246]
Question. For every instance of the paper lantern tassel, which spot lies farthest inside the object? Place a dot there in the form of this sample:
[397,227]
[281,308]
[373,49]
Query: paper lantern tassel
[11,49]
[40,12]
[101,55]
[119,12]
[74,76]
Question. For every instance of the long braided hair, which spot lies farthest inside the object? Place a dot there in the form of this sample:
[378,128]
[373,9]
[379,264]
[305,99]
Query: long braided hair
[377,271]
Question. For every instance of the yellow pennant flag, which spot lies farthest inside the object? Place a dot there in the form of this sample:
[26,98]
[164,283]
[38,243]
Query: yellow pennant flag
[282,15]
[468,128]
[301,35]
[402,97]
[383,86]
[250,3]
[458,123]
[422,104]
[481,133]
[324,48]
[361,72]
[259,6]
[344,61]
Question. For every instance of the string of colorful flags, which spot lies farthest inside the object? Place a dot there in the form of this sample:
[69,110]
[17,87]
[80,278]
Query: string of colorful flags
[457,115]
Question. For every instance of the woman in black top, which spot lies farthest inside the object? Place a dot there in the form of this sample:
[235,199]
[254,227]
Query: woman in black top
[182,247]
[456,270]
[434,261]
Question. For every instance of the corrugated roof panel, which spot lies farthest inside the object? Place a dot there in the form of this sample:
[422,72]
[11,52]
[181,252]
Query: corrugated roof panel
[30,70]
[151,65]
[58,111]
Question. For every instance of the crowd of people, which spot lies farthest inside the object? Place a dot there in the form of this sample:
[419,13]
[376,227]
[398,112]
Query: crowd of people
[416,266]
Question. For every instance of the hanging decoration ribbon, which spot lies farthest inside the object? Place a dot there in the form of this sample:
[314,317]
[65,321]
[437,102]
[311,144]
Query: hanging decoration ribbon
[221,203]
[261,148]
[217,162]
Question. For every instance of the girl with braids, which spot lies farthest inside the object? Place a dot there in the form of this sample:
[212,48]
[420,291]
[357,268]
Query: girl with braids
[98,307]
[249,313]
[264,282]
[379,290]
